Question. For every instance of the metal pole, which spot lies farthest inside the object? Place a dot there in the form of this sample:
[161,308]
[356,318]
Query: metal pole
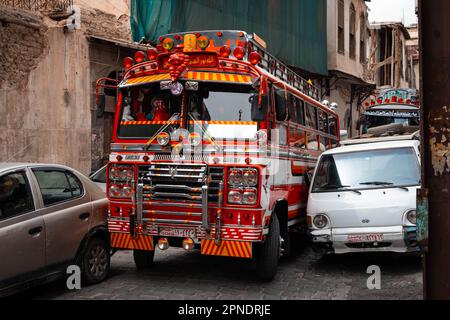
[435,121]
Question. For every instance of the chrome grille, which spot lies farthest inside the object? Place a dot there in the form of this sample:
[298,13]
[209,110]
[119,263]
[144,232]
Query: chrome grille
[179,182]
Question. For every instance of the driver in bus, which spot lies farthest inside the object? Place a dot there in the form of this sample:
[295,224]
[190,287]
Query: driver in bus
[159,110]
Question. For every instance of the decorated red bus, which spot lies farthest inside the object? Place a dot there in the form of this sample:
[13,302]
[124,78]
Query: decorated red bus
[212,144]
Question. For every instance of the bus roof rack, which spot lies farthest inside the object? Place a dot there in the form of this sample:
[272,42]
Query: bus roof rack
[279,69]
[392,132]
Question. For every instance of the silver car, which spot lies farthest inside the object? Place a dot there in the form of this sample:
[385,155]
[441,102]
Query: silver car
[51,217]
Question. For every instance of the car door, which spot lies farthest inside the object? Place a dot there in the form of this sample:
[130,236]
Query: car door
[67,211]
[22,229]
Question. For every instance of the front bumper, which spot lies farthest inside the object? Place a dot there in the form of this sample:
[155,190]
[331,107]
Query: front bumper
[399,239]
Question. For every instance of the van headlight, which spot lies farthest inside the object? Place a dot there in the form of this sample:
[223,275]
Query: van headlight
[411,215]
[320,221]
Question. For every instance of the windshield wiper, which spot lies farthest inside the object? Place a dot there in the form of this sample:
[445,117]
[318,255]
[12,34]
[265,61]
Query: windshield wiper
[328,186]
[382,183]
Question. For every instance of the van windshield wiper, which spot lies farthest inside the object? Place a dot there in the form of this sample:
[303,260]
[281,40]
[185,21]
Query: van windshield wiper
[328,186]
[382,183]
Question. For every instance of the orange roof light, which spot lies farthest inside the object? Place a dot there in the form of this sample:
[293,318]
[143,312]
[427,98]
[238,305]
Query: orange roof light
[152,54]
[225,51]
[254,58]
[203,42]
[128,62]
[168,44]
[139,56]
[239,53]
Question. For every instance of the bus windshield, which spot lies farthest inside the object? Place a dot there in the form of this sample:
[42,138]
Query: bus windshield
[372,121]
[222,110]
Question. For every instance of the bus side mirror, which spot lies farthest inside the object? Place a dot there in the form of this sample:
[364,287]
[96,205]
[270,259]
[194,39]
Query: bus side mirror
[259,111]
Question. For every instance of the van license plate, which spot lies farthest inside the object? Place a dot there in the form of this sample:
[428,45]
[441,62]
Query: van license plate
[365,238]
[177,232]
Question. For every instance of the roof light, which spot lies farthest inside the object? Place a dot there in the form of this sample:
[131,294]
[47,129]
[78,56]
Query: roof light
[128,62]
[400,100]
[152,54]
[219,34]
[203,42]
[254,58]
[139,56]
[386,101]
[225,51]
[394,99]
[379,101]
[168,44]
[239,53]
[408,101]
[161,39]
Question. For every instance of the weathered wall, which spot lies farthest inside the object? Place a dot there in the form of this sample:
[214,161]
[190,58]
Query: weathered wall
[44,107]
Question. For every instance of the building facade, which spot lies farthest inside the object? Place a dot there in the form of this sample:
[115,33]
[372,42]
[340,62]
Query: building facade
[350,79]
[50,58]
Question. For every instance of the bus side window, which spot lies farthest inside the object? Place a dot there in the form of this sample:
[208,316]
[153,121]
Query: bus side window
[280,105]
[292,108]
[311,116]
[300,112]
[323,127]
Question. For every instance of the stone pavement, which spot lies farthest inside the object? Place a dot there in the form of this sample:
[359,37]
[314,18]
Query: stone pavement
[188,275]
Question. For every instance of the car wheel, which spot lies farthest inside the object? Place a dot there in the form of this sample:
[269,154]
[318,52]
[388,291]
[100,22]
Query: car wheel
[143,259]
[96,261]
[269,252]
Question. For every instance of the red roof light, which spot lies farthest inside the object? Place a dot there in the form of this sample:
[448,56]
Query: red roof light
[128,62]
[139,56]
[239,53]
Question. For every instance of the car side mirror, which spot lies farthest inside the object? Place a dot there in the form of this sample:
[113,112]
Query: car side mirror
[259,111]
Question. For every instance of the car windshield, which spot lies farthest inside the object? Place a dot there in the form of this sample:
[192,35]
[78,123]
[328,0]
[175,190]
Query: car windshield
[99,176]
[387,168]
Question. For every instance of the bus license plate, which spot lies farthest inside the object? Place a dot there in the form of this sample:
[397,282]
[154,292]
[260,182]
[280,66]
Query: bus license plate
[365,238]
[177,232]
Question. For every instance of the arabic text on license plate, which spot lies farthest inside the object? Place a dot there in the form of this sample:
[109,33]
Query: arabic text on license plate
[365,238]
[177,232]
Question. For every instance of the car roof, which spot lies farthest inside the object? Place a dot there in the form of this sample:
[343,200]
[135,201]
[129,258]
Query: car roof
[373,146]
[5,166]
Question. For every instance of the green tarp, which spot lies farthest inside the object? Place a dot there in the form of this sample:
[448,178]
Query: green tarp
[295,30]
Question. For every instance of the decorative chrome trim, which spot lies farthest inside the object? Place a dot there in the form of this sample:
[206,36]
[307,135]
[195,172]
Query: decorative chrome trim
[140,188]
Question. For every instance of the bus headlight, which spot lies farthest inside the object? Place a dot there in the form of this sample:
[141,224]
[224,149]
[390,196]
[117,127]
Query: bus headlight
[235,177]
[163,139]
[411,215]
[250,177]
[120,191]
[115,191]
[122,173]
[195,139]
[320,221]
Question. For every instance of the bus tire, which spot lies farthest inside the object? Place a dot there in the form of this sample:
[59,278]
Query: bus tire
[269,252]
[143,259]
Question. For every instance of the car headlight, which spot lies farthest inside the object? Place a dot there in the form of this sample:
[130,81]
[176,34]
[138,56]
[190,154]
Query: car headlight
[250,177]
[250,196]
[235,196]
[235,177]
[412,216]
[320,221]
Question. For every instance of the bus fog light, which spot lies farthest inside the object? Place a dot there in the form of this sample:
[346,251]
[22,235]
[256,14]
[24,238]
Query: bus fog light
[188,244]
[163,244]
[249,196]
[235,196]
[163,139]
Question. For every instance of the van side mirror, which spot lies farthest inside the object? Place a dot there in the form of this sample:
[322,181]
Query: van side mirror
[258,111]
[308,177]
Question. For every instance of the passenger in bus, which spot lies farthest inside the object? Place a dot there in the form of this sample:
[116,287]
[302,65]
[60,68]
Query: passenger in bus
[198,108]
[127,116]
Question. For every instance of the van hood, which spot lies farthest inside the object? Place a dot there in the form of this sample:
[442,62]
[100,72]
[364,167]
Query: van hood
[373,208]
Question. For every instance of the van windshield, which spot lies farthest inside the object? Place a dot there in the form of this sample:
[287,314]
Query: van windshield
[386,168]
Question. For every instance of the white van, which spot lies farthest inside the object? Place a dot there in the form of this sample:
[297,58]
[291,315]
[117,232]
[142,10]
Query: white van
[363,196]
